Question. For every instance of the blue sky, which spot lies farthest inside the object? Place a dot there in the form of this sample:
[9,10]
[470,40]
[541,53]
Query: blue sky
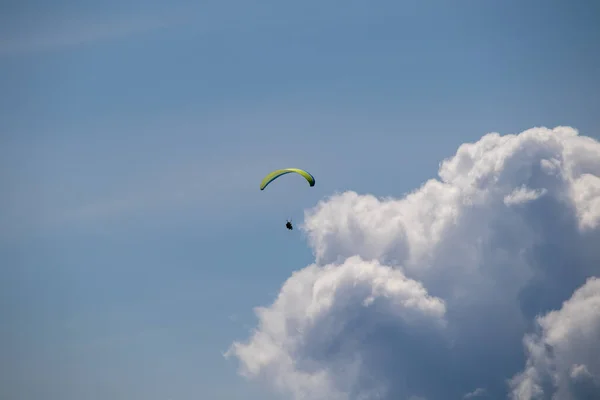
[134,241]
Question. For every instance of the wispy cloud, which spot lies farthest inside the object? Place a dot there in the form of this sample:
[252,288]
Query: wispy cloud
[204,188]
[48,34]
[184,187]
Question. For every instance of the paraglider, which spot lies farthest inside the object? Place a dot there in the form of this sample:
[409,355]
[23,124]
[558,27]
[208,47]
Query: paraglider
[279,172]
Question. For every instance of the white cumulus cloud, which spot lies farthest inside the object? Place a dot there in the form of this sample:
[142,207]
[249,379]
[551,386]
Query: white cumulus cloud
[477,393]
[564,356]
[317,339]
[431,295]
[523,195]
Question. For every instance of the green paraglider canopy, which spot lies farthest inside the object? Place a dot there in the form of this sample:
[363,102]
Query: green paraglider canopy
[279,172]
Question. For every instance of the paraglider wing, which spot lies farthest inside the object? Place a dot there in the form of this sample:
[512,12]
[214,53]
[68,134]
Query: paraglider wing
[277,173]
